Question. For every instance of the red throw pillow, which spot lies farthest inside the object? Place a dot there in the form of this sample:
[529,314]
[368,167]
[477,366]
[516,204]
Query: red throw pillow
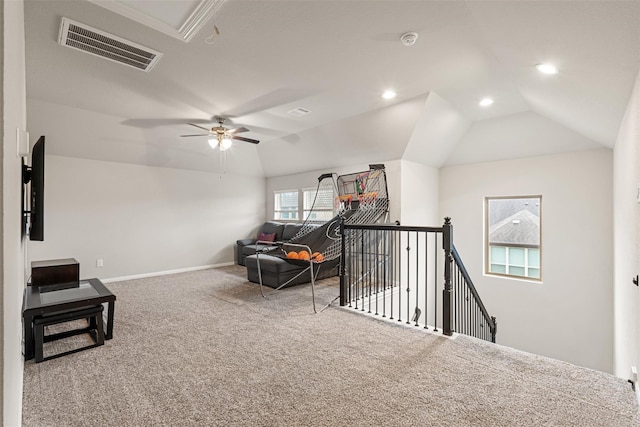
[267,237]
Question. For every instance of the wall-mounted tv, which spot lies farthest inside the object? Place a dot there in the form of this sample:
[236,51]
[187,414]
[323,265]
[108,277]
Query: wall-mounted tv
[34,176]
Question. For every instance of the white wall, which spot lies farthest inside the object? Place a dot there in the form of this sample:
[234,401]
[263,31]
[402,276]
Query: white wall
[626,210]
[419,195]
[12,264]
[569,315]
[142,219]
[310,179]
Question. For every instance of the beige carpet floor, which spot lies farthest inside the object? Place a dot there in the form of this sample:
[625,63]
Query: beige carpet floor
[205,349]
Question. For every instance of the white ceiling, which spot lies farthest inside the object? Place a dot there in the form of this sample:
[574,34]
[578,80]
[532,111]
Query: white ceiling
[334,58]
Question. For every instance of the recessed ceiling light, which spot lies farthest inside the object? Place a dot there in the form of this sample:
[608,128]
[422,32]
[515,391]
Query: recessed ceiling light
[485,102]
[389,94]
[547,68]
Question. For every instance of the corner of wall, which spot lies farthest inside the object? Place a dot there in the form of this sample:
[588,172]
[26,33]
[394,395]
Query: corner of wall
[626,214]
[12,265]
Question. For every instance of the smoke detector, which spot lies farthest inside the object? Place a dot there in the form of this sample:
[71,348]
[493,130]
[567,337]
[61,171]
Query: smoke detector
[409,39]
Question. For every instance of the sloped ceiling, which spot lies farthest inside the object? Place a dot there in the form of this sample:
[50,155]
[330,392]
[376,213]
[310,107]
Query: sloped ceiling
[436,132]
[335,58]
[515,136]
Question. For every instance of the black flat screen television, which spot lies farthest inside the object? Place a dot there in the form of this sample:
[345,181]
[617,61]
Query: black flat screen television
[34,176]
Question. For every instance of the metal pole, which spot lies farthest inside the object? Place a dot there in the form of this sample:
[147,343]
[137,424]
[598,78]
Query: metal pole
[343,256]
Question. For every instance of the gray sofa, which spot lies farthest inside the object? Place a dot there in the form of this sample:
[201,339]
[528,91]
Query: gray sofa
[283,233]
[275,270]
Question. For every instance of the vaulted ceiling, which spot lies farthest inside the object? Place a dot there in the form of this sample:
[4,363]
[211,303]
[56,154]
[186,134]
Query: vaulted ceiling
[334,58]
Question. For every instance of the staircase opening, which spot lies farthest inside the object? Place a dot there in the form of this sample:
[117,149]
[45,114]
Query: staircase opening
[411,275]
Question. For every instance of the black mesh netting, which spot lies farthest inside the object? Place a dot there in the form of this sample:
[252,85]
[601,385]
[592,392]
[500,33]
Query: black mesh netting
[362,199]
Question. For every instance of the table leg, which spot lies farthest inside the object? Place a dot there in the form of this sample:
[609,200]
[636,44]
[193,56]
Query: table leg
[28,336]
[109,333]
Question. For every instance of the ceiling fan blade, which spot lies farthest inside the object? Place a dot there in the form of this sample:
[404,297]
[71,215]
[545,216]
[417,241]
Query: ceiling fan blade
[199,134]
[201,127]
[240,138]
[238,130]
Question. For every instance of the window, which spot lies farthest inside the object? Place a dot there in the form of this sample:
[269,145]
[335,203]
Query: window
[513,234]
[286,205]
[289,203]
[323,208]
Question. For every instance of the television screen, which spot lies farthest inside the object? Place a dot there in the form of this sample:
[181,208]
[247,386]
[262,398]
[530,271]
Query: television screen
[36,228]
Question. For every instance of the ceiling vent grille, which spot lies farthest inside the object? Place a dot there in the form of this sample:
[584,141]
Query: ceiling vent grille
[299,112]
[91,40]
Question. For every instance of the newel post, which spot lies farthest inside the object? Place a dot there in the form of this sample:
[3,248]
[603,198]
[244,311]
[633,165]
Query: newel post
[343,255]
[494,330]
[447,292]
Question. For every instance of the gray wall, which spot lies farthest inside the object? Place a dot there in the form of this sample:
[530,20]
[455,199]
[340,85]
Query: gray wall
[144,220]
[569,316]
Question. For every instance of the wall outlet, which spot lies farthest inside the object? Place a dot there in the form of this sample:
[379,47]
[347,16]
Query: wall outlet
[100,262]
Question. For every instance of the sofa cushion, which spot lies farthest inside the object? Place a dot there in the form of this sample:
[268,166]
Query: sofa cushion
[276,271]
[290,230]
[271,264]
[270,227]
[252,249]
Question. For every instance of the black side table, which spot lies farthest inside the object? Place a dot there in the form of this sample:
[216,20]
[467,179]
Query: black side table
[39,300]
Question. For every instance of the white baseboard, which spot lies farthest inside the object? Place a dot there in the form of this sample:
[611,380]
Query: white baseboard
[164,273]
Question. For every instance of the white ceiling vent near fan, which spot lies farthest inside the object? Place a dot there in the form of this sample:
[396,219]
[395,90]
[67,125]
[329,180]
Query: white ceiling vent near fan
[299,112]
[91,40]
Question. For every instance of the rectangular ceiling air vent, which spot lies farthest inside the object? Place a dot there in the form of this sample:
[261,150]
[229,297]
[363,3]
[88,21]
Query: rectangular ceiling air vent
[299,112]
[91,40]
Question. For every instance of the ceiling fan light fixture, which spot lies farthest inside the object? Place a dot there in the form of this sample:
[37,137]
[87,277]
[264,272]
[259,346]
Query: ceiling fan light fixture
[220,136]
[225,144]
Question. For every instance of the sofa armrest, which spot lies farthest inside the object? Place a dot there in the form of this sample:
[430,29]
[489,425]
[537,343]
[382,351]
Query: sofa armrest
[246,242]
[240,245]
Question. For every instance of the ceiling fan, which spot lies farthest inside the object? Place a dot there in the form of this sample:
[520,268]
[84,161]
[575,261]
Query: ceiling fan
[221,136]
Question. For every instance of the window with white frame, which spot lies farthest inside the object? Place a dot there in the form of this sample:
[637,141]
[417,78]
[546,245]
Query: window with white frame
[288,204]
[513,234]
[285,205]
